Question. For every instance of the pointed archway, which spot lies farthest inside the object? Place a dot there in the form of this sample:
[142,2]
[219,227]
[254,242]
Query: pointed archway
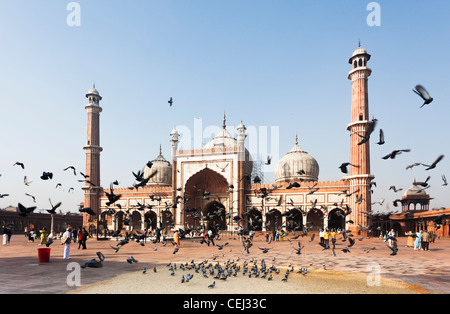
[274,220]
[315,219]
[206,192]
[336,219]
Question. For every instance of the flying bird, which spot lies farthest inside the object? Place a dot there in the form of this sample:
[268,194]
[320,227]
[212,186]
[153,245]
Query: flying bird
[394,153]
[34,198]
[381,140]
[19,164]
[413,165]
[170,101]
[445,180]
[299,249]
[423,93]
[395,189]
[71,167]
[26,182]
[87,210]
[293,185]
[131,260]
[24,211]
[433,165]
[46,175]
[344,166]
[369,131]
[53,210]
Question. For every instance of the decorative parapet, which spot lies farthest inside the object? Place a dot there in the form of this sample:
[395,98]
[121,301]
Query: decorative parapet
[207,151]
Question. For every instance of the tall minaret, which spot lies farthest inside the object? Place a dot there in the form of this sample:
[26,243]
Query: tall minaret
[359,172]
[92,190]
[241,136]
[174,141]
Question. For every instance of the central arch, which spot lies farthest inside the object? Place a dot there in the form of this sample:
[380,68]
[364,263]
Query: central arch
[206,191]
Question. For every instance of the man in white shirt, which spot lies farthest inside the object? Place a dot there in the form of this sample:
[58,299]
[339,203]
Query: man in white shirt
[65,240]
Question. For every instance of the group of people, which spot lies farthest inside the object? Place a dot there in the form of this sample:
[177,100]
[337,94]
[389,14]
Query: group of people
[79,235]
[325,236]
[420,240]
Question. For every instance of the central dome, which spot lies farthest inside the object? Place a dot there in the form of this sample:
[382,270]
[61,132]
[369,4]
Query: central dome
[297,164]
[223,140]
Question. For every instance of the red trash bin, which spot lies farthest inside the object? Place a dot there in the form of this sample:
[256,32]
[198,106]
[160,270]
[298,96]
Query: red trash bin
[44,255]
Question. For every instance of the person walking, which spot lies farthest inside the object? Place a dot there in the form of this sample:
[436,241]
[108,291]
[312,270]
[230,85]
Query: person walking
[5,235]
[158,235]
[211,237]
[9,233]
[44,236]
[31,235]
[391,237]
[321,237]
[333,238]
[418,241]
[326,240]
[75,235]
[176,238]
[426,240]
[65,240]
[410,241]
[83,239]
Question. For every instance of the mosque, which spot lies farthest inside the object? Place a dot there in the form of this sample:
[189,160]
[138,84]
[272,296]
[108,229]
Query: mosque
[213,187]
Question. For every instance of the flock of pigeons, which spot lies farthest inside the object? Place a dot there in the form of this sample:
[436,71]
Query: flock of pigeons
[24,211]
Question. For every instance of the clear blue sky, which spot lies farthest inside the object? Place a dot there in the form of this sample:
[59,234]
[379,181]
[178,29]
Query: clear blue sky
[280,64]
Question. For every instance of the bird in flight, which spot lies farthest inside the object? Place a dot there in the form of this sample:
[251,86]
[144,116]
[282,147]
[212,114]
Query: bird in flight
[423,93]
[19,164]
[445,180]
[344,166]
[26,182]
[170,101]
[394,153]
[46,175]
[24,211]
[71,167]
[53,210]
[34,198]
[433,165]
[381,140]
[369,131]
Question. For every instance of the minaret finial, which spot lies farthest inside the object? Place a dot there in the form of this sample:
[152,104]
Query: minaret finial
[160,149]
[224,121]
[296,138]
[359,42]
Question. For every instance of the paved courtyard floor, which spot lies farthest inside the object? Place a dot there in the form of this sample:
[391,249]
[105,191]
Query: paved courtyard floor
[422,271]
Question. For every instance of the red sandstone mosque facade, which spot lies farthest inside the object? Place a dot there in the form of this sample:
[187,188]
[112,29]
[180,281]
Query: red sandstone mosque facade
[213,186]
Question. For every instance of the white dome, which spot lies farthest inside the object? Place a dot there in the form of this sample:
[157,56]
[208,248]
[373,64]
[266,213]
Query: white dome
[163,170]
[414,190]
[297,164]
[223,139]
